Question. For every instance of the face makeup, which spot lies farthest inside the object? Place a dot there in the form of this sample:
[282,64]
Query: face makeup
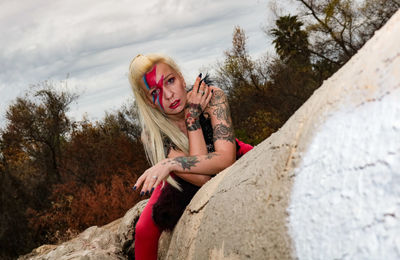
[151,82]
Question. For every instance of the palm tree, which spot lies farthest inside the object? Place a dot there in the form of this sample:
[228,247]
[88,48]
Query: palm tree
[291,42]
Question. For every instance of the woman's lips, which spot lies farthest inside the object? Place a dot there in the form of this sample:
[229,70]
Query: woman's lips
[175,104]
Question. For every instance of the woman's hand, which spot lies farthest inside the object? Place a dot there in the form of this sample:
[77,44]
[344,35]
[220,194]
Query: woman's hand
[197,101]
[153,176]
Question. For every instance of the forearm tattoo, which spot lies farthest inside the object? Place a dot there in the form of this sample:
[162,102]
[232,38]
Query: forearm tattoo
[193,109]
[211,155]
[186,162]
[193,112]
[192,124]
[223,132]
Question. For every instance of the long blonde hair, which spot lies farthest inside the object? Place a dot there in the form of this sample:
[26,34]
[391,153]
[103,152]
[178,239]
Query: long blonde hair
[155,125]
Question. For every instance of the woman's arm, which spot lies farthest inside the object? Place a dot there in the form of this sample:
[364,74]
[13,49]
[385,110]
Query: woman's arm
[195,179]
[224,142]
[209,164]
[197,100]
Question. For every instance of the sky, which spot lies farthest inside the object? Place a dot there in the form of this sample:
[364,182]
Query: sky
[88,44]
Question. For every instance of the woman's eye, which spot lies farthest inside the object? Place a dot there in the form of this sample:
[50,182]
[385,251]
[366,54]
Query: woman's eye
[171,80]
[155,93]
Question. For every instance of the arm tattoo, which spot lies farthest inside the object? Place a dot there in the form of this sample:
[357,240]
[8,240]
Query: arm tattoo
[192,124]
[217,99]
[211,155]
[223,132]
[194,110]
[223,113]
[186,162]
[192,117]
[220,106]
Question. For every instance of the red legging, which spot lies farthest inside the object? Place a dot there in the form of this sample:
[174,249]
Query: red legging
[147,233]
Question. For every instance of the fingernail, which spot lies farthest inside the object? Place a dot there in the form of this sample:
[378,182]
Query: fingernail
[141,194]
[212,91]
[200,75]
[134,187]
[152,190]
[147,192]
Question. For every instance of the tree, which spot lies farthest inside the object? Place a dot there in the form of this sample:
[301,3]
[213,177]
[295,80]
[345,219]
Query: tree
[339,28]
[238,69]
[30,152]
[291,42]
[101,163]
[292,74]
[374,14]
[37,126]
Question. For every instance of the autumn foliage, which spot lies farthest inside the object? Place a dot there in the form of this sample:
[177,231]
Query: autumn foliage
[99,166]
[59,177]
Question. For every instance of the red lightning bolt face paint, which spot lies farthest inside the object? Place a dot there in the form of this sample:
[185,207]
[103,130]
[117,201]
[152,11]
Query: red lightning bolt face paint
[150,81]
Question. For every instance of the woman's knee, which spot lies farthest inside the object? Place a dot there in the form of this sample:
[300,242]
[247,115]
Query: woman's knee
[145,228]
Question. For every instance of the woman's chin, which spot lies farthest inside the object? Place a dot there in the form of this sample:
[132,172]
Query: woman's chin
[175,111]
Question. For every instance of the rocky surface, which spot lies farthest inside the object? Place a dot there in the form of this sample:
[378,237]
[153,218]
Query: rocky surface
[112,241]
[325,186]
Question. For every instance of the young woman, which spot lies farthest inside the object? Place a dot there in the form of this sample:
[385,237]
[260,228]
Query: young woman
[188,138]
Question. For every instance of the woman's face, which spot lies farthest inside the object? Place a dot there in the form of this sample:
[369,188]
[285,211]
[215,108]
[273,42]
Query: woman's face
[165,89]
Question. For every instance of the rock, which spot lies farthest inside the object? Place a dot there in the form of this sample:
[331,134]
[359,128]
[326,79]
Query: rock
[325,186]
[126,230]
[112,241]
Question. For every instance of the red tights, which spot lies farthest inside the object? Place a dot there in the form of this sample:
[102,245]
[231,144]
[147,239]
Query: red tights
[146,232]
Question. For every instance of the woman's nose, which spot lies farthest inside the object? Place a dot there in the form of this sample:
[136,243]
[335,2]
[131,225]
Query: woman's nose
[168,93]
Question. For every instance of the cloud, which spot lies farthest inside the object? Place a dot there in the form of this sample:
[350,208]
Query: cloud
[94,41]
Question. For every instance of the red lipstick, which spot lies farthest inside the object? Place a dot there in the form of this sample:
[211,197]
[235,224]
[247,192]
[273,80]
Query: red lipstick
[175,104]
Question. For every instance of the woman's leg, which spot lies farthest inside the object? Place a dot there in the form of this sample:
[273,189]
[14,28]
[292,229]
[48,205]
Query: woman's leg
[243,148]
[146,232]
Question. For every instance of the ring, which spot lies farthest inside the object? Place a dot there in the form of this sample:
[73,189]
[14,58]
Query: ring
[155,177]
[202,92]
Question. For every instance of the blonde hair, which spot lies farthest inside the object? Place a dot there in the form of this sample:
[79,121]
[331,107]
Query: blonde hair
[155,125]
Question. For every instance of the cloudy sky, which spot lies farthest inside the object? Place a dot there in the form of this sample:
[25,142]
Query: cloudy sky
[92,43]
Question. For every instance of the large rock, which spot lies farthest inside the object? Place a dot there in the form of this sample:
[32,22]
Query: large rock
[112,241]
[325,186]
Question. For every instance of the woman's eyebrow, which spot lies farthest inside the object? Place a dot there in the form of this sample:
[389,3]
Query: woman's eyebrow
[166,78]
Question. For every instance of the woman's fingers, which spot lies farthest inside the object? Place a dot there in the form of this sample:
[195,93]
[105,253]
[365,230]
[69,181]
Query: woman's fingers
[206,99]
[199,93]
[139,182]
[156,183]
[202,89]
[197,84]
[209,96]
[150,180]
